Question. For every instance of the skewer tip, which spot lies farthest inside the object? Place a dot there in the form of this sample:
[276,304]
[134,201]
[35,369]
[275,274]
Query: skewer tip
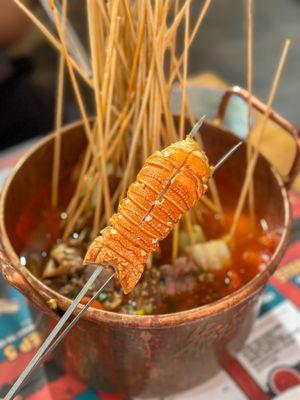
[227,155]
[196,127]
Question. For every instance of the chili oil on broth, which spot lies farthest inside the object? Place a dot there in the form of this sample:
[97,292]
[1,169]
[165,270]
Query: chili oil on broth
[164,287]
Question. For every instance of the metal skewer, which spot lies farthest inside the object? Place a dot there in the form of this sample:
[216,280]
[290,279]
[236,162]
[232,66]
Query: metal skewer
[227,155]
[76,318]
[52,341]
[196,127]
[39,354]
[67,329]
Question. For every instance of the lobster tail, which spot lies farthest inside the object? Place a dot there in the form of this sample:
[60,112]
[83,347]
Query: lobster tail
[167,186]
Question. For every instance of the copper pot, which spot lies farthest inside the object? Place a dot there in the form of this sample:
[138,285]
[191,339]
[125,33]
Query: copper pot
[148,355]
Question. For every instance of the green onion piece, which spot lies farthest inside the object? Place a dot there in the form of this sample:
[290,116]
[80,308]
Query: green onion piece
[103,296]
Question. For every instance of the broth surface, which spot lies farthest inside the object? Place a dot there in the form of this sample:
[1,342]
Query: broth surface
[164,288]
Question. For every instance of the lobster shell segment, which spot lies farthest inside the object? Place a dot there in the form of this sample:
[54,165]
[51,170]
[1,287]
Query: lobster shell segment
[168,185]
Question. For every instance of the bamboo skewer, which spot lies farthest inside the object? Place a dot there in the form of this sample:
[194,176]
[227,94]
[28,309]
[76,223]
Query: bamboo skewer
[216,205]
[71,223]
[129,19]
[135,119]
[187,217]
[58,121]
[137,133]
[109,99]
[175,243]
[189,228]
[160,78]
[249,88]
[140,123]
[109,49]
[83,172]
[74,45]
[177,20]
[183,82]
[172,48]
[57,139]
[75,86]
[130,88]
[252,164]
[145,98]
[99,107]
[51,38]
[193,34]
[120,51]
[176,72]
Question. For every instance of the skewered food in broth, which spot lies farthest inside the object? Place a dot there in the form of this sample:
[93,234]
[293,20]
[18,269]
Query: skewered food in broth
[166,285]
[210,255]
[167,186]
[184,240]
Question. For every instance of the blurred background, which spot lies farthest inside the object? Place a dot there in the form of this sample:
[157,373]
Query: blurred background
[28,63]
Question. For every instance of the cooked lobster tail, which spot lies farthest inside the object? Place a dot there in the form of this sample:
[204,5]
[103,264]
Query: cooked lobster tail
[167,186]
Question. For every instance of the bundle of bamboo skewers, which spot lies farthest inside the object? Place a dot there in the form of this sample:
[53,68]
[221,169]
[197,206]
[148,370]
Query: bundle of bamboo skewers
[135,62]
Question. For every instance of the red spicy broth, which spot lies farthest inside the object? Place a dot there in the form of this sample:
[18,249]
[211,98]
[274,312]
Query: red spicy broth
[164,288]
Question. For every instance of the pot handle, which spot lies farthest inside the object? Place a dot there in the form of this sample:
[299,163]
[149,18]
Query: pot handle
[16,278]
[280,121]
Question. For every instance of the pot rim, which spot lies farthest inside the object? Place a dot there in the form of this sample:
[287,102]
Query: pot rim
[148,321]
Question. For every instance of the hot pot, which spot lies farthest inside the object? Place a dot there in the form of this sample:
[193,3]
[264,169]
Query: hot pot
[149,355]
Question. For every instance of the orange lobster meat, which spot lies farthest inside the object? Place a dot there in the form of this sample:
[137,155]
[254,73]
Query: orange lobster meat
[167,186]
